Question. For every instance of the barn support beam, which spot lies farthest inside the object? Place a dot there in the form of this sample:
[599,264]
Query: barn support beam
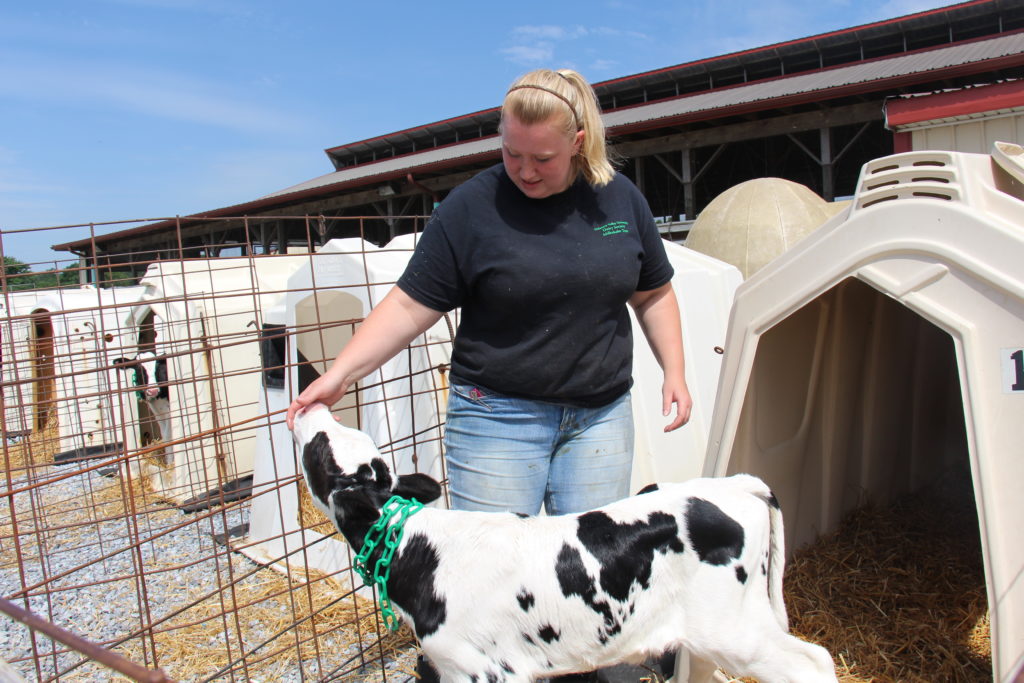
[701,171]
[686,177]
[669,168]
[849,145]
[259,235]
[683,175]
[825,157]
[689,203]
[828,190]
[753,130]
[321,234]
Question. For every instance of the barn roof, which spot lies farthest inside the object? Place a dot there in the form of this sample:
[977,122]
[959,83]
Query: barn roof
[887,37]
[964,39]
[714,103]
[914,111]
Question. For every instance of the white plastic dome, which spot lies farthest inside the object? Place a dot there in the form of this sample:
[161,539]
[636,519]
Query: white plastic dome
[750,224]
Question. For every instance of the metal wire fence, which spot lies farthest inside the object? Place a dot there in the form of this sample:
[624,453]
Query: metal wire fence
[171,538]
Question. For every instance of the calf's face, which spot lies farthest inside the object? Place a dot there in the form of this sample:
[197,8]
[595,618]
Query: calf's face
[150,373]
[153,375]
[347,478]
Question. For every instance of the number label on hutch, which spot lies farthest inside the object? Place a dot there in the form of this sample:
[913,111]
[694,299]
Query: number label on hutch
[1013,371]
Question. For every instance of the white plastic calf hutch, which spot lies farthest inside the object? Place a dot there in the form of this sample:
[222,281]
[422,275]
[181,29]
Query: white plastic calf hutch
[401,406]
[205,317]
[886,348]
[62,343]
[16,364]
[90,330]
[335,288]
[704,287]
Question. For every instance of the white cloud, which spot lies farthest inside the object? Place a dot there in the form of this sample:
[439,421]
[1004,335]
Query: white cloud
[538,32]
[7,156]
[245,175]
[204,6]
[607,32]
[152,92]
[529,55]
[538,45]
[18,180]
[9,186]
[899,8]
[549,32]
[601,66]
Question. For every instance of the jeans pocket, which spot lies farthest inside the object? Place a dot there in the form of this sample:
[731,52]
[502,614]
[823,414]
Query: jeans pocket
[471,394]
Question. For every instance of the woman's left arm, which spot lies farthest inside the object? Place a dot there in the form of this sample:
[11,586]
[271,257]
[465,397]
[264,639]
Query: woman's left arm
[658,313]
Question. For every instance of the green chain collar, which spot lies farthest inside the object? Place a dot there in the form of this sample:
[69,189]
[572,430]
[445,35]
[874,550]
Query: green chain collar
[135,381]
[391,536]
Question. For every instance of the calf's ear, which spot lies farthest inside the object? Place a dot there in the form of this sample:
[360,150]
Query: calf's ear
[420,486]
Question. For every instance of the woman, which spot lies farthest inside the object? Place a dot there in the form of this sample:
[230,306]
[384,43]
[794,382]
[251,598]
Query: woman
[542,252]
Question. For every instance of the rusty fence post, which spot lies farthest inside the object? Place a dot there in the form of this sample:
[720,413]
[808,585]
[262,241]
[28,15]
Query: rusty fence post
[90,650]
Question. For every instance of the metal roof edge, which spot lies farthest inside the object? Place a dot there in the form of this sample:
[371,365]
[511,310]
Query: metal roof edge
[607,84]
[619,121]
[632,119]
[807,39]
[962,101]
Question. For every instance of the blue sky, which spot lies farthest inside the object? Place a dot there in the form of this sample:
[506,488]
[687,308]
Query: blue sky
[130,109]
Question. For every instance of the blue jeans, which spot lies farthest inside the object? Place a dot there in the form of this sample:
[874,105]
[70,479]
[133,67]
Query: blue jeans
[512,454]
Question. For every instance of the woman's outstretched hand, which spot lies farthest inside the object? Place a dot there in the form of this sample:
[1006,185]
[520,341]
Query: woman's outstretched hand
[327,389]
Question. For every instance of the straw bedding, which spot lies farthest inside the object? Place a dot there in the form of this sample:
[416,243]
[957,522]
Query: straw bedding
[301,618]
[38,447]
[214,614]
[897,593]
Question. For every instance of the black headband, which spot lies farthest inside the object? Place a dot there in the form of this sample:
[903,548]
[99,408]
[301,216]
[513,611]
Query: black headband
[556,94]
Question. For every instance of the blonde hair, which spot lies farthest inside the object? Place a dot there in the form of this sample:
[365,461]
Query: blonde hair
[542,94]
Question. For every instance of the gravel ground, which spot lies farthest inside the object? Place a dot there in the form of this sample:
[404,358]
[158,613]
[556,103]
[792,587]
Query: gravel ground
[88,569]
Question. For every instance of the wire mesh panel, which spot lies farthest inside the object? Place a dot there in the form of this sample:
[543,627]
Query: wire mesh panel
[153,517]
[177,534]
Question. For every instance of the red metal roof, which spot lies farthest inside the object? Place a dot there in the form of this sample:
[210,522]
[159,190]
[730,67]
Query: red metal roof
[852,78]
[611,84]
[963,102]
[821,37]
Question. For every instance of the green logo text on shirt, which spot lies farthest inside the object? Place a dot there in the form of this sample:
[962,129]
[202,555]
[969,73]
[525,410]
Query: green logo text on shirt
[613,228]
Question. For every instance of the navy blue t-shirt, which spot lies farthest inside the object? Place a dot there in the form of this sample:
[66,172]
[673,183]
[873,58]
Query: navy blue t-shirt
[542,283]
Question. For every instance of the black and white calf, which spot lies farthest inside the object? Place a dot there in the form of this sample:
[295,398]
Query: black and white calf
[151,380]
[499,597]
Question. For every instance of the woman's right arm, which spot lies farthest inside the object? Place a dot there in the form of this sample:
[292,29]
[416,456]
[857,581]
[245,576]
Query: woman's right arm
[389,328]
